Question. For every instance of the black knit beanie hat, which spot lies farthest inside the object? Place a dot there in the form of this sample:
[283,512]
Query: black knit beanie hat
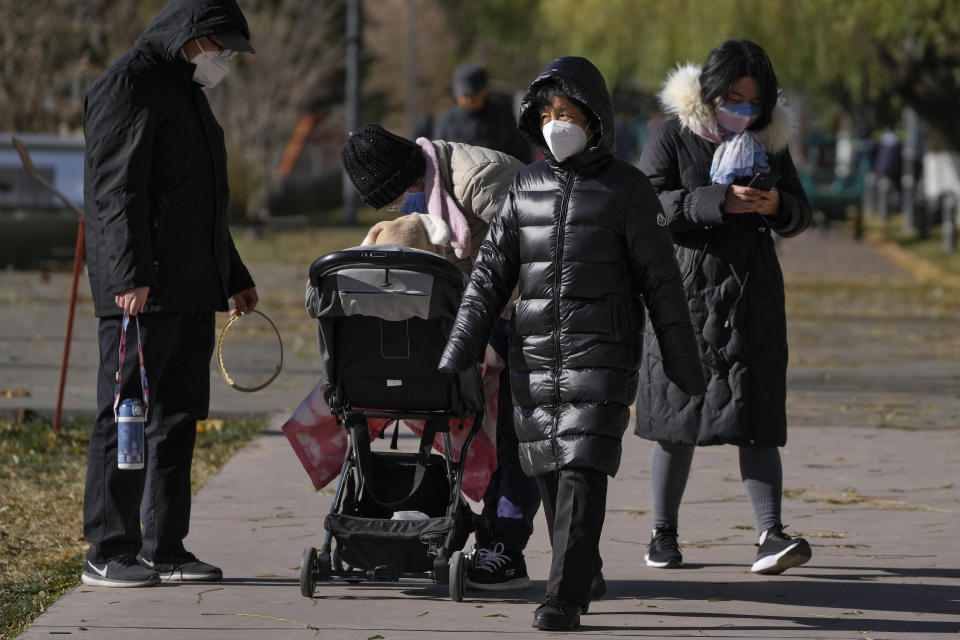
[381,165]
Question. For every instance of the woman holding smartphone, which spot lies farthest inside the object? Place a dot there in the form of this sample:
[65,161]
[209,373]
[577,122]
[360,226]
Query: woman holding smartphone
[727,129]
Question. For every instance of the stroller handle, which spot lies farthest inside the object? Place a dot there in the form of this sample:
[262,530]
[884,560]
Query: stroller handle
[388,255]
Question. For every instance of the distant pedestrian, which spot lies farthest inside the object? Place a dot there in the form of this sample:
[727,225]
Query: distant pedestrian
[480,117]
[583,235]
[727,126]
[158,248]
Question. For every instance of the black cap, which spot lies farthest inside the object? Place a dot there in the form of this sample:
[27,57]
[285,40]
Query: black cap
[381,165]
[234,41]
[469,79]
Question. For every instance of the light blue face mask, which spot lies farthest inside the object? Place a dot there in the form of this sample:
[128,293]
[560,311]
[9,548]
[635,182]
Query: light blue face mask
[736,117]
[411,202]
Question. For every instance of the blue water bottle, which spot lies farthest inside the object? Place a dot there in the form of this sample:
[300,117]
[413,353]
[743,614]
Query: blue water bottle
[131,413]
[130,421]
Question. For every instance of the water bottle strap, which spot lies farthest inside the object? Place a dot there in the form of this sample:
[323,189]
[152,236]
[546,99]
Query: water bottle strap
[143,370]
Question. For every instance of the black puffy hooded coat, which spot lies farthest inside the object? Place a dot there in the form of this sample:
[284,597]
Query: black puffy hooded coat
[155,174]
[732,278]
[584,239]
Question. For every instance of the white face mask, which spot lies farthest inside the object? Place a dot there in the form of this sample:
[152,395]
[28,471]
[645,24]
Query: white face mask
[212,66]
[564,139]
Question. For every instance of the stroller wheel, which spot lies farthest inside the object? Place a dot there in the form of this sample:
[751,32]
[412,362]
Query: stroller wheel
[458,576]
[308,580]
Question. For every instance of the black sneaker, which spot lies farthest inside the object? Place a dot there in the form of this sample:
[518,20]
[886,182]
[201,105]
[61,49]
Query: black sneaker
[122,571]
[496,569]
[184,568]
[557,615]
[778,552]
[663,552]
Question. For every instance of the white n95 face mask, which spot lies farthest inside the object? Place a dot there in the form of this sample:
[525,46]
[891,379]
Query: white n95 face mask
[212,67]
[564,139]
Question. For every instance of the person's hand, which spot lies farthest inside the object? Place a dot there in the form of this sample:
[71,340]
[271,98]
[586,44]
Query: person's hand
[749,200]
[132,301]
[245,302]
[769,202]
[742,199]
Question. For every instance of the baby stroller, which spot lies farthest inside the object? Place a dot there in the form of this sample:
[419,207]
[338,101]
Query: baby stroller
[384,315]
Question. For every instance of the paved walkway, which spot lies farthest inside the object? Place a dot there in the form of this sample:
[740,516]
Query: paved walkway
[870,478]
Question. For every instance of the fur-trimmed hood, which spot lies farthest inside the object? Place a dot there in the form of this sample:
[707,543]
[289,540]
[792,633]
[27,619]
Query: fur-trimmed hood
[681,97]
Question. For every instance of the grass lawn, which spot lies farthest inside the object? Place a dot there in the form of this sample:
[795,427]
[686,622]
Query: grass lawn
[929,249]
[301,246]
[41,498]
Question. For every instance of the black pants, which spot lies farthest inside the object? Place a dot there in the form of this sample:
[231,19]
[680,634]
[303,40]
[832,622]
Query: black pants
[574,503]
[177,348]
[511,500]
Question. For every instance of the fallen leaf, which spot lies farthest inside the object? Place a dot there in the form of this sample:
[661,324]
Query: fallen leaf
[19,392]
[212,424]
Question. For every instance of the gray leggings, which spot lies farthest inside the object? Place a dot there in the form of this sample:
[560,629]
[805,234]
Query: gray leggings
[760,471]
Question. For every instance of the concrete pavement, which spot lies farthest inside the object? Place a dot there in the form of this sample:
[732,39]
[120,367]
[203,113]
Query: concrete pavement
[870,478]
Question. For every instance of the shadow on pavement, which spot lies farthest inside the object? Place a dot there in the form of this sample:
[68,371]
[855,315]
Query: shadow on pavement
[753,624]
[829,592]
[255,582]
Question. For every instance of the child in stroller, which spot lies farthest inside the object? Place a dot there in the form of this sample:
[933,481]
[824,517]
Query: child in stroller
[384,314]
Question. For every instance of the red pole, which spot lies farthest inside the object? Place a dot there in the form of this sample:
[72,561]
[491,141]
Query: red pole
[77,262]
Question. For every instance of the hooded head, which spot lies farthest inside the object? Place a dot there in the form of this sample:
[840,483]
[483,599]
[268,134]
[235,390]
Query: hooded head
[583,83]
[181,21]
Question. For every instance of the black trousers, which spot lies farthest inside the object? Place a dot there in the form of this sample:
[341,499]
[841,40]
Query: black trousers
[511,500]
[574,503]
[177,348]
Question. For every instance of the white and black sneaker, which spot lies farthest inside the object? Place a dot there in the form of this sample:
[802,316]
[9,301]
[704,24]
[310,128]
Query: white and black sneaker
[778,552]
[122,571]
[184,568]
[496,569]
[663,552]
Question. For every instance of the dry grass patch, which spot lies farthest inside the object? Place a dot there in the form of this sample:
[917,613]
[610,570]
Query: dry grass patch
[41,502]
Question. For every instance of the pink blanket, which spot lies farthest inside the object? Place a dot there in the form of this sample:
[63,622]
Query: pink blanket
[321,444]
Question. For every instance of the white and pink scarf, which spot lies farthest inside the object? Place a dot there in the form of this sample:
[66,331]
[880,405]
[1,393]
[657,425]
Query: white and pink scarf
[441,204]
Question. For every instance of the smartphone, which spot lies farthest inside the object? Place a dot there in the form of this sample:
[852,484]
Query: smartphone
[764,181]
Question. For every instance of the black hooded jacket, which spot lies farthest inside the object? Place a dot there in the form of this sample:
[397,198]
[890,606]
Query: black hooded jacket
[155,174]
[732,278]
[586,242]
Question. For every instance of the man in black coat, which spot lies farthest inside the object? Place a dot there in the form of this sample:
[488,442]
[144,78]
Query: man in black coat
[480,118]
[159,248]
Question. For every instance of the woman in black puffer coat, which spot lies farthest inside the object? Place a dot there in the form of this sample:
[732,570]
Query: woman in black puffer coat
[727,126]
[584,235]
